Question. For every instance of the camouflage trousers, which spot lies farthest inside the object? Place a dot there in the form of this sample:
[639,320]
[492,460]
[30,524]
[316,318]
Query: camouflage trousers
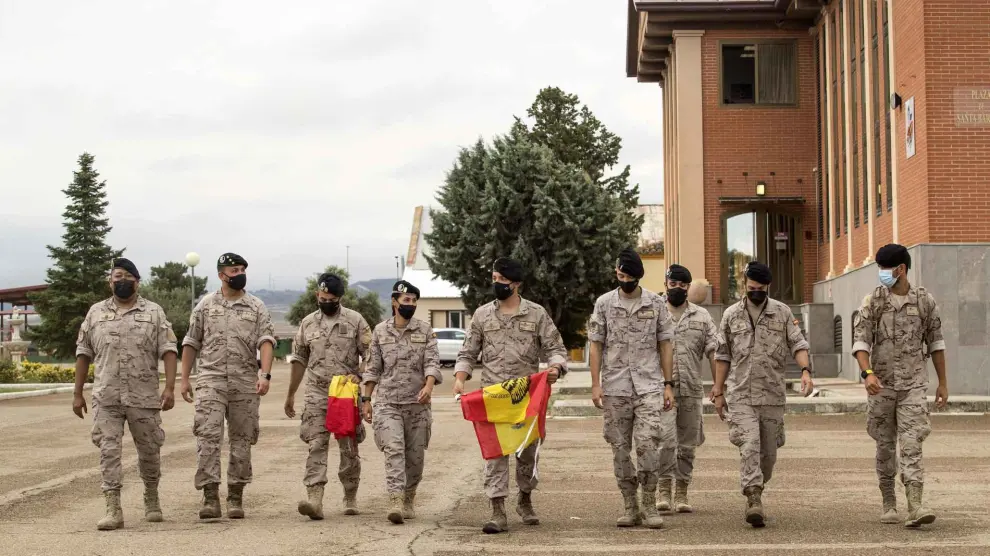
[402,433]
[757,430]
[240,410]
[313,431]
[637,419]
[108,435]
[899,418]
[686,420]
[497,473]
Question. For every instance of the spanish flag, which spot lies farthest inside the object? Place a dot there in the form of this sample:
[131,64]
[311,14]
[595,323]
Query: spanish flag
[343,417]
[509,416]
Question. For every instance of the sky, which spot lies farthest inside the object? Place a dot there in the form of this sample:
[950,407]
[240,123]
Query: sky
[284,132]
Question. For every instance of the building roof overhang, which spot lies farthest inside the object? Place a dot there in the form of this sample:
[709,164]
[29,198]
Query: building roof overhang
[18,296]
[651,25]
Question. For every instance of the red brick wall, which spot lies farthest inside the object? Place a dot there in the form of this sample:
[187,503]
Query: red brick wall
[758,141]
[957,41]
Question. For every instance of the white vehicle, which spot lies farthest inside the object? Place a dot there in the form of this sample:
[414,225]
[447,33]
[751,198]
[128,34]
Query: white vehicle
[449,343]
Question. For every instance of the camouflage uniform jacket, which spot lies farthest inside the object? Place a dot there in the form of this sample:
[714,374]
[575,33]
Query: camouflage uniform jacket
[894,338]
[125,347]
[227,335]
[510,345]
[756,353]
[696,336]
[330,346]
[630,354]
[401,359]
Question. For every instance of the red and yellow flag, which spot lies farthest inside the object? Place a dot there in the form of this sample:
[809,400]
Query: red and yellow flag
[508,416]
[343,417]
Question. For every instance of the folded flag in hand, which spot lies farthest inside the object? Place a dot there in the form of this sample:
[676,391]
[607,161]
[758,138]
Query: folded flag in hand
[510,416]
[343,418]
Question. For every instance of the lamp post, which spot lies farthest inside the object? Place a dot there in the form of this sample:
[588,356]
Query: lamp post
[348,260]
[192,259]
[397,275]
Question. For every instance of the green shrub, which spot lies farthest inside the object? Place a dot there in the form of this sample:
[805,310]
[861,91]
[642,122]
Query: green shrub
[9,373]
[43,373]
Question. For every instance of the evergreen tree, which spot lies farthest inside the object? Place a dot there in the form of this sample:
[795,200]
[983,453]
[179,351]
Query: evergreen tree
[368,304]
[539,195]
[78,277]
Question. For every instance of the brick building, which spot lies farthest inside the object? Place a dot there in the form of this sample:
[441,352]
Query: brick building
[808,133]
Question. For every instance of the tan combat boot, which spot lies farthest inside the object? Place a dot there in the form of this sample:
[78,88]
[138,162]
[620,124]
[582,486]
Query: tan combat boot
[889,504]
[632,517]
[350,501]
[681,498]
[498,522]
[651,518]
[918,515]
[408,504]
[395,500]
[235,501]
[152,508]
[663,495]
[211,502]
[114,518]
[754,506]
[313,506]
[524,507]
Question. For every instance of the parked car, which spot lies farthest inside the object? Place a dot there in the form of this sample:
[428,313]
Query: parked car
[449,342]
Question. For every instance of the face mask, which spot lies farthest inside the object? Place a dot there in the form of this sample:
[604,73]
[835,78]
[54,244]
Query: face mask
[407,311]
[238,282]
[123,289]
[887,278]
[502,291]
[757,297]
[676,296]
[329,308]
[629,287]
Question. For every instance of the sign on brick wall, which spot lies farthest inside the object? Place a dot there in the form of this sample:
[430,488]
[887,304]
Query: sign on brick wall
[972,106]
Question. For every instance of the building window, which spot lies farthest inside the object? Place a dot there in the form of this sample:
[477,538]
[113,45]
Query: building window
[761,73]
[837,334]
[836,130]
[819,178]
[455,319]
[886,95]
[843,106]
[877,105]
[854,109]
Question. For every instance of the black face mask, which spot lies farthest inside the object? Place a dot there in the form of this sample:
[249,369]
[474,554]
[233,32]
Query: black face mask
[502,291]
[329,308]
[407,311]
[676,296]
[757,297]
[123,289]
[629,287]
[238,282]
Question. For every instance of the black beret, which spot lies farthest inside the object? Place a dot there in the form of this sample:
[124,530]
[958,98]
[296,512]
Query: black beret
[892,255]
[630,263]
[402,287]
[759,272]
[127,265]
[330,283]
[231,259]
[679,273]
[509,268]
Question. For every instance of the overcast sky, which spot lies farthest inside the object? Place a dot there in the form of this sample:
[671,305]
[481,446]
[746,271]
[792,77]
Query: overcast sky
[283,131]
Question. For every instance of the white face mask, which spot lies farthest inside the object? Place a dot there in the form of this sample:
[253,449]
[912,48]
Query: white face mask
[887,278]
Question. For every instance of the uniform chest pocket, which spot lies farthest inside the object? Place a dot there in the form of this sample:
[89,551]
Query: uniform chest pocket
[245,326]
[105,330]
[142,328]
[316,344]
[524,334]
[885,328]
[742,338]
[390,352]
[215,321]
[343,342]
[694,336]
[494,340]
[912,325]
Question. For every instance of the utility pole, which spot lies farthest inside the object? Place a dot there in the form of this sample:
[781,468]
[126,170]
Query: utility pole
[348,260]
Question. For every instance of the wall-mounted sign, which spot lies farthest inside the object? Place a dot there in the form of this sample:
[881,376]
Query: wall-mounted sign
[909,127]
[972,106]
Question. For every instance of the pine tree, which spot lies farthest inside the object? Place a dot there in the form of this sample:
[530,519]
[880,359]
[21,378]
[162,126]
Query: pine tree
[539,195]
[368,304]
[78,277]
[169,287]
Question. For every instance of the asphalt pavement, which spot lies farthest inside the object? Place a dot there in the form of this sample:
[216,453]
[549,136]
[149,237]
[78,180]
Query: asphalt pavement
[823,499]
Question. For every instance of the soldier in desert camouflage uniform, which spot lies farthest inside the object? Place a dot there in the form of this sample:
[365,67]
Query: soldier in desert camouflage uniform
[892,328]
[226,328]
[696,336]
[630,333]
[759,333]
[404,366]
[329,342]
[125,336]
[511,334]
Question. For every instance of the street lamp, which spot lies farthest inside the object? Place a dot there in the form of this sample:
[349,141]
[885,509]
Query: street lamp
[192,259]
[397,275]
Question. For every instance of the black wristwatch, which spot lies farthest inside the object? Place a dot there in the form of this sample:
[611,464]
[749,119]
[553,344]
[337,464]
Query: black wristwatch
[267,376]
[803,369]
[365,399]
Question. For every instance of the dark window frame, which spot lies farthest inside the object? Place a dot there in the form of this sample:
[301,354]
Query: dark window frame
[795,70]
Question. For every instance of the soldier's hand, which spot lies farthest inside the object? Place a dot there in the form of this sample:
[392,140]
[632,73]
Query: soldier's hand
[262,386]
[186,390]
[941,396]
[354,379]
[366,411]
[290,409]
[872,385]
[807,385]
[720,406]
[425,394]
[553,375]
[168,399]
[596,397]
[79,405]
[458,386]
[668,398]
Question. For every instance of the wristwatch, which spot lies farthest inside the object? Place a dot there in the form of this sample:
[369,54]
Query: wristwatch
[671,383]
[267,376]
[365,399]
[866,373]
[803,369]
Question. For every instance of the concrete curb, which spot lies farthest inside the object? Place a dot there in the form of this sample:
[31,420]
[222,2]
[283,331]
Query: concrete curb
[40,390]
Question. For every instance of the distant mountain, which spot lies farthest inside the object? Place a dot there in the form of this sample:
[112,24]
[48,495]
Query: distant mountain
[272,299]
[380,286]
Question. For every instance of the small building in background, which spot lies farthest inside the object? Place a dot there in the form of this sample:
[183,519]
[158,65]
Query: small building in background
[440,302]
[650,247]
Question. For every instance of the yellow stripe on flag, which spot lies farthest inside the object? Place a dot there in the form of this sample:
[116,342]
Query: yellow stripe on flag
[515,437]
